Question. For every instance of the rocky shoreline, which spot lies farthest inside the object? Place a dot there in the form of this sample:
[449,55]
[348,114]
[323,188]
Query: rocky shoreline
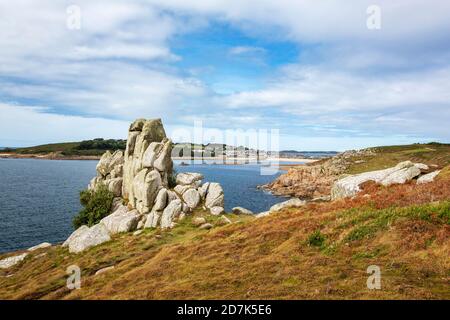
[148,195]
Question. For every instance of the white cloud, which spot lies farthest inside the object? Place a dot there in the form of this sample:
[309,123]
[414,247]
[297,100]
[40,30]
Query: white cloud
[120,64]
[27,126]
[239,50]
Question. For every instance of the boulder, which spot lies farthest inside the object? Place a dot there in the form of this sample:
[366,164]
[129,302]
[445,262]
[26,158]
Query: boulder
[215,211]
[121,220]
[223,221]
[140,225]
[171,195]
[84,238]
[117,172]
[42,245]
[145,188]
[163,161]
[161,200]
[180,189]
[115,186]
[12,261]
[170,213]
[423,167]
[197,221]
[206,226]
[401,173]
[401,176]
[153,219]
[77,233]
[103,270]
[240,210]
[109,161]
[188,178]
[203,190]
[426,178]
[103,164]
[151,153]
[294,202]
[262,214]
[192,198]
[214,197]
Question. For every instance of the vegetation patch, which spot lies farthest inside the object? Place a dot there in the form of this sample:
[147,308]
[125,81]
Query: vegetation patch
[316,239]
[97,205]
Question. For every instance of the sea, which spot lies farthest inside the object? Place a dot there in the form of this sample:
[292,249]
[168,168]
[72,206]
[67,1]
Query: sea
[39,198]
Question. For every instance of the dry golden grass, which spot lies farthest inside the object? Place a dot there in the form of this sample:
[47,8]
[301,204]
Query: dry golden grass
[403,229]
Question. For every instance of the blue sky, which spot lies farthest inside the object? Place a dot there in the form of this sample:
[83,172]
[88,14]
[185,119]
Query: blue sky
[312,70]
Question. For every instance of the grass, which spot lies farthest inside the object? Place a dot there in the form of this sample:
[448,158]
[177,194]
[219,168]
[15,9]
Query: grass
[403,229]
[435,155]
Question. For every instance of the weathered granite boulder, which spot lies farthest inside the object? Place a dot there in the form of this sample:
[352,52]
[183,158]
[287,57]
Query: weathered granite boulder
[203,190]
[153,218]
[427,178]
[223,221]
[189,178]
[42,245]
[180,189]
[214,196]
[170,213]
[241,210]
[108,162]
[198,221]
[145,187]
[262,214]
[291,203]
[294,202]
[109,172]
[192,198]
[171,195]
[206,226]
[121,220]
[84,238]
[12,261]
[103,270]
[216,211]
[161,200]
[401,173]
[115,186]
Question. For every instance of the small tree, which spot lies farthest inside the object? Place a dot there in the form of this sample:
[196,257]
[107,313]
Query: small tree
[97,205]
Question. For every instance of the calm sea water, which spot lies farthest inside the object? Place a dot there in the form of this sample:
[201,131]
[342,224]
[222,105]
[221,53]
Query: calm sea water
[38,198]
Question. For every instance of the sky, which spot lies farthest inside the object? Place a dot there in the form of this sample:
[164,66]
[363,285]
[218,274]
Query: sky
[326,75]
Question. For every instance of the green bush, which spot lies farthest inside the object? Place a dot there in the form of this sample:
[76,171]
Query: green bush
[97,205]
[316,239]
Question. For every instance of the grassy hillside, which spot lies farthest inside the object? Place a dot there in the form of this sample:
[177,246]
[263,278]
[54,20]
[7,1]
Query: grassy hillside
[319,251]
[435,155]
[95,147]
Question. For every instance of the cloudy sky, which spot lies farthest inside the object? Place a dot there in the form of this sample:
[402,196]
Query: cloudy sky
[312,69]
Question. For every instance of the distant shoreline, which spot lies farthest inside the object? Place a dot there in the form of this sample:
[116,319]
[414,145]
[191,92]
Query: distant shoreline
[218,159]
[46,157]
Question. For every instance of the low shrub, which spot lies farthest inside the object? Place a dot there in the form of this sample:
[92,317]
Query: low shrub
[316,239]
[97,205]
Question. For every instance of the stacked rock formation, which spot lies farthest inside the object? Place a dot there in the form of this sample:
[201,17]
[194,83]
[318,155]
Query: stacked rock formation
[109,172]
[139,179]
